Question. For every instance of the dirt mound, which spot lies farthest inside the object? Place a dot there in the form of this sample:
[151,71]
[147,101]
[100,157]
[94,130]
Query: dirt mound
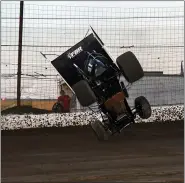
[24,110]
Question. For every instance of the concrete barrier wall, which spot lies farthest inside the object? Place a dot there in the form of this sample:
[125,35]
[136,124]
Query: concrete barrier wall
[159,91]
[11,122]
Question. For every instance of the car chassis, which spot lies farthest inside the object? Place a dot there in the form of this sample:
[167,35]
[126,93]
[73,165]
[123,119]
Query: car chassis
[94,77]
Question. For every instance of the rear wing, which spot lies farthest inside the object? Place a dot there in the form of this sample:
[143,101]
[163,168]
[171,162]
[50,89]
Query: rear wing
[77,55]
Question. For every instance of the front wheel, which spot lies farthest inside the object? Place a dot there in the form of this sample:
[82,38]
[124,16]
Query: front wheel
[99,130]
[143,107]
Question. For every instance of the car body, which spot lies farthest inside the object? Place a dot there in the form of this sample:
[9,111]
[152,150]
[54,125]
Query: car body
[93,75]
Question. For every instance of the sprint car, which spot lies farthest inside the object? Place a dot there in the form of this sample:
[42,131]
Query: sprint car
[94,77]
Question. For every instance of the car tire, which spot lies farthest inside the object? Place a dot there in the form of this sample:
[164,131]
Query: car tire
[84,93]
[99,130]
[130,67]
[143,107]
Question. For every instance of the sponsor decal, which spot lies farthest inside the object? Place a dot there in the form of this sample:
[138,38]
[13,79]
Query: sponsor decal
[75,52]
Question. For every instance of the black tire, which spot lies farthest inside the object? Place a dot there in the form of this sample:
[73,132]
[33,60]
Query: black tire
[99,130]
[130,67]
[84,93]
[143,107]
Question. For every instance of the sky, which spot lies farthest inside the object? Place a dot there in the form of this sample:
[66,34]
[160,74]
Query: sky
[125,4]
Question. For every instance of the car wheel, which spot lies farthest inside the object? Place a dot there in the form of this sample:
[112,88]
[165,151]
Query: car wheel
[143,107]
[130,67]
[84,93]
[99,130]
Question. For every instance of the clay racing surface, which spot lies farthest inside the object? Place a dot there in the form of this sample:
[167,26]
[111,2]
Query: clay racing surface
[145,152]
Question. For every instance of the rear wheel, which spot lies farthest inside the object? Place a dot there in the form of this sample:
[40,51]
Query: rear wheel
[143,107]
[99,130]
[130,67]
[84,93]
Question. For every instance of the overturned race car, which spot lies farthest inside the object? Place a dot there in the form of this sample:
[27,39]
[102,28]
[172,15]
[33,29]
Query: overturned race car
[90,72]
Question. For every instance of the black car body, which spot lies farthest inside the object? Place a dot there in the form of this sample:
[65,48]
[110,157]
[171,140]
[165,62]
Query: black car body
[93,76]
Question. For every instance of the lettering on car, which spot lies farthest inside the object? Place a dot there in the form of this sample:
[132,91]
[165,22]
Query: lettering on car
[75,52]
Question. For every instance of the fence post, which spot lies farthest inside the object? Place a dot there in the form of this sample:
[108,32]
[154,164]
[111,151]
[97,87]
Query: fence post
[20,55]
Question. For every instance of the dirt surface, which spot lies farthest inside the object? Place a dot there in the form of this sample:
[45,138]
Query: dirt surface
[144,152]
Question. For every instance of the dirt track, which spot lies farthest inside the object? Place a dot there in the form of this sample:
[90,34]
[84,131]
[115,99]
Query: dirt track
[147,152]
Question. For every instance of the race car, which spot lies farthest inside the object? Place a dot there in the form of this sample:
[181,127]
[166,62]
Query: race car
[94,77]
